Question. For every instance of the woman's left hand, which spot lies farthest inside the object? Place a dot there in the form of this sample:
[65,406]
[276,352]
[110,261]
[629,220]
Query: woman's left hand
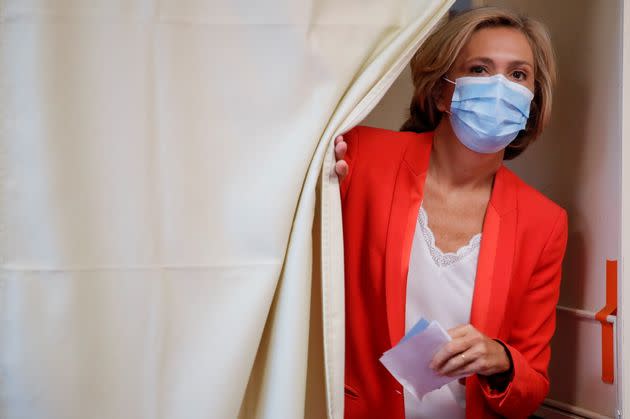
[470,352]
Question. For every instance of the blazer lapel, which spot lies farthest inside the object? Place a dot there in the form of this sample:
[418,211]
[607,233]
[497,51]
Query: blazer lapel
[496,256]
[408,191]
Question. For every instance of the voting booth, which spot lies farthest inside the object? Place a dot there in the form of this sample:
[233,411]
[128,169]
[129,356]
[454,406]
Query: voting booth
[170,225]
[160,164]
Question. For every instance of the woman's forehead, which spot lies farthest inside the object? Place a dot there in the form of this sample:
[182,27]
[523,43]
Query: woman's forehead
[502,44]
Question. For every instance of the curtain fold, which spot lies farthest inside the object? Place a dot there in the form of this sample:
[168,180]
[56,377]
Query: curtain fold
[170,229]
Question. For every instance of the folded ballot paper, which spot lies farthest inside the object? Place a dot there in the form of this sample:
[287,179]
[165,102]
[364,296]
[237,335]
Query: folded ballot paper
[409,360]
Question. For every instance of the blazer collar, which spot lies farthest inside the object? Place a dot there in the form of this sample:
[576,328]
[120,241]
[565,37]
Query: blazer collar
[503,196]
[406,200]
[496,253]
[496,256]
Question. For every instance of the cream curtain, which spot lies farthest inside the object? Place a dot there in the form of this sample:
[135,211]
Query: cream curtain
[170,229]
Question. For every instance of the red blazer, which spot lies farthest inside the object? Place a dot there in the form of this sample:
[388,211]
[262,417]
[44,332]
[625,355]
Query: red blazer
[516,285]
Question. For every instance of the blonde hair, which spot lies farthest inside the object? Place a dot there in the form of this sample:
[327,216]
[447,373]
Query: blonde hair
[439,52]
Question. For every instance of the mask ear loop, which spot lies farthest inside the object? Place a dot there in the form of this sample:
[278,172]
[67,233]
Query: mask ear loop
[448,112]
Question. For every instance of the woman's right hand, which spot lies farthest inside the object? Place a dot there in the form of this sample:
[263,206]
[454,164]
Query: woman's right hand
[341,167]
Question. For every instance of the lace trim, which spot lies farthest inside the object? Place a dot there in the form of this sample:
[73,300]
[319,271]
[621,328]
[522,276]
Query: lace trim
[441,258]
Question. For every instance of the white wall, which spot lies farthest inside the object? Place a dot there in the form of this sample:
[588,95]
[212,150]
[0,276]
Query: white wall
[577,164]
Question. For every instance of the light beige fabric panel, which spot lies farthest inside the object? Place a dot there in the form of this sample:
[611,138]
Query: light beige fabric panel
[159,162]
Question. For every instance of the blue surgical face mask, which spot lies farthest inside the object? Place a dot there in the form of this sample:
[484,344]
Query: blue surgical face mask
[487,113]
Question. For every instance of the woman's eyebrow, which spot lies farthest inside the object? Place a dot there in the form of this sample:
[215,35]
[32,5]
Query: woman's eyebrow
[521,63]
[490,61]
[484,60]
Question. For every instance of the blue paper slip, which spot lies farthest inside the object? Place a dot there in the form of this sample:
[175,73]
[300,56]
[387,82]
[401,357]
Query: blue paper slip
[417,328]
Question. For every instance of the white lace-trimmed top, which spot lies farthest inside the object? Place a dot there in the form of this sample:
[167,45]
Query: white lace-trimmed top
[439,287]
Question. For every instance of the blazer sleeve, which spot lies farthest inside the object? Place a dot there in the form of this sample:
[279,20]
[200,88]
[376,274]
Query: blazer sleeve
[529,341]
[352,140]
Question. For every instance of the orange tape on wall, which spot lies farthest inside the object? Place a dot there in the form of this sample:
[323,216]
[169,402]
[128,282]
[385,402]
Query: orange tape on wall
[608,334]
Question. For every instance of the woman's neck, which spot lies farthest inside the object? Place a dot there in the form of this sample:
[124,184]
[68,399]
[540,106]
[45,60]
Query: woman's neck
[452,165]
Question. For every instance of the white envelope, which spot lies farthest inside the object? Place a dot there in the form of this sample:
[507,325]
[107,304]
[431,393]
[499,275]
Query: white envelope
[409,360]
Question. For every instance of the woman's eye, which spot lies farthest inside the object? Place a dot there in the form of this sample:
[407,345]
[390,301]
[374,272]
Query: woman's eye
[478,69]
[519,75]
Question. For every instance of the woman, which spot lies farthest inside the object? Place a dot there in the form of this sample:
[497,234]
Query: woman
[435,226]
